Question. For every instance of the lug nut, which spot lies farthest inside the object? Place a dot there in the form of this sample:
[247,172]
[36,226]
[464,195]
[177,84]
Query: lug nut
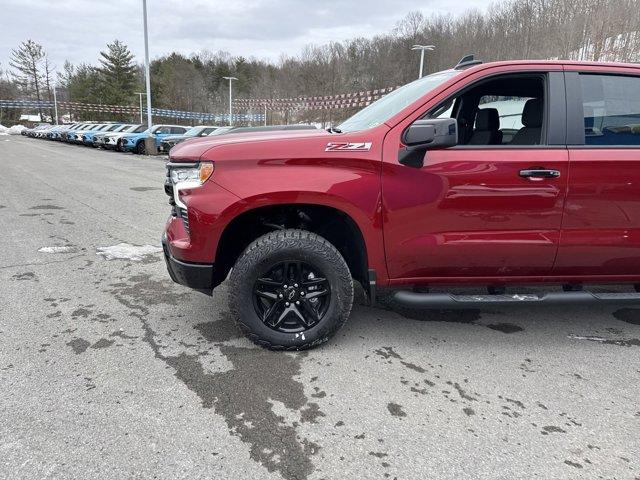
[286,304]
[297,302]
[302,294]
[280,295]
[286,286]
[295,285]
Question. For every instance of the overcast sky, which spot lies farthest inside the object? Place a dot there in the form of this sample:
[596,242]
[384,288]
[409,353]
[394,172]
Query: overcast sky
[77,30]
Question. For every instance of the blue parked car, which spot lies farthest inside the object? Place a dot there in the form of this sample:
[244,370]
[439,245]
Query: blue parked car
[134,142]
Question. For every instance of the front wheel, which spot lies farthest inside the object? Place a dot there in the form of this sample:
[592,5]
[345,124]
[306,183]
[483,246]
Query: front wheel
[291,290]
[141,148]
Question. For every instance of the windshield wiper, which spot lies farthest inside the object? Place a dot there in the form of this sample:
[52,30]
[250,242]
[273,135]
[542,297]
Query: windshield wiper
[333,129]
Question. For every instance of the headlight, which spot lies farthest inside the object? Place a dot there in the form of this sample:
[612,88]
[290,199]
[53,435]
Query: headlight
[185,176]
[191,176]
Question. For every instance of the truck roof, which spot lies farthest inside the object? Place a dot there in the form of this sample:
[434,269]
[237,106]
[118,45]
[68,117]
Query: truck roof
[557,63]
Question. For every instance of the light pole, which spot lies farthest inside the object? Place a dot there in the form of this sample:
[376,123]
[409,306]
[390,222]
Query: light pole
[146,64]
[140,94]
[55,104]
[422,49]
[231,79]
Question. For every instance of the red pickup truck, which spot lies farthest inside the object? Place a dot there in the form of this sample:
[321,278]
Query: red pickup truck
[492,175]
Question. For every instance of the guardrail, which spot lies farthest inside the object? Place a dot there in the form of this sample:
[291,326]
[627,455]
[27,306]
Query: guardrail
[131,110]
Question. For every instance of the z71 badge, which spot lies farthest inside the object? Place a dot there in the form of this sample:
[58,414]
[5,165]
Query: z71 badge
[354,147]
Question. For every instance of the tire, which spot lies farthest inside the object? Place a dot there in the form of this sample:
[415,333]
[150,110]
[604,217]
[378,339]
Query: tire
[141,148]
[305,256]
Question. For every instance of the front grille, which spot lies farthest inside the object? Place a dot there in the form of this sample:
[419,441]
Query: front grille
[185,218]
[168,189]
[176,211]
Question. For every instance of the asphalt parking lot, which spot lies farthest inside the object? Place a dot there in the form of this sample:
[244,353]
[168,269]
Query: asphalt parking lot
[109,370]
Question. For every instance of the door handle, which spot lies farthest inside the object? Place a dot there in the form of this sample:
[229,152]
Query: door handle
[539,173]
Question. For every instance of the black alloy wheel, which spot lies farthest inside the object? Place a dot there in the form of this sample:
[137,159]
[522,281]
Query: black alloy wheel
[291,297]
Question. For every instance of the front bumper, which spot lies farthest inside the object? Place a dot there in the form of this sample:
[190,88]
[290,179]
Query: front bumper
[193,275]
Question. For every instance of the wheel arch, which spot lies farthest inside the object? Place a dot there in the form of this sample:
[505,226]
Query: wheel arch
[336,225]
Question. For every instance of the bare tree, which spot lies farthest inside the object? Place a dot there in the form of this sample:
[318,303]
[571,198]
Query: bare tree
[26,60]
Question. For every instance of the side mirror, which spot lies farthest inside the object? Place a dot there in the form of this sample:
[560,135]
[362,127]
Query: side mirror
[423,135]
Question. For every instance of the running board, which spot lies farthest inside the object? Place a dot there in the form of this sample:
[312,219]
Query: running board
[447,300]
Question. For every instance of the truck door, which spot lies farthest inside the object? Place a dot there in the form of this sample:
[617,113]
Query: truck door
[601,227]
[491,206]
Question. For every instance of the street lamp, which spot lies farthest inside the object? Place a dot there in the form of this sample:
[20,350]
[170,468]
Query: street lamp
[140,94]
[422,49]
[55,103]
[231,79]
[146,64]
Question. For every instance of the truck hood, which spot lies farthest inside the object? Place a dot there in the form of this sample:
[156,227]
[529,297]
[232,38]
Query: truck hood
[193,148]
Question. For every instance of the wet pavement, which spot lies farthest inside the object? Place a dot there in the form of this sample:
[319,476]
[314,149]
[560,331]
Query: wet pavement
[109,370]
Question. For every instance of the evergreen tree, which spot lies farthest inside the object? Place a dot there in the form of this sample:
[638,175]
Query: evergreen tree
[118,74]
[83,84]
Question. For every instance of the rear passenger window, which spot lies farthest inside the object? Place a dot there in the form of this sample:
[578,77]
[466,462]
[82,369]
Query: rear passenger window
[177,130]
[611,106]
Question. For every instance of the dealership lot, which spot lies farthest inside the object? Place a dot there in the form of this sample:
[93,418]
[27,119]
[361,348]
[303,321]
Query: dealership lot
[108,369]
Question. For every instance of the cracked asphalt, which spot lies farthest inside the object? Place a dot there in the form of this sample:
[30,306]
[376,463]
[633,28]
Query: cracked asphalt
[109,370]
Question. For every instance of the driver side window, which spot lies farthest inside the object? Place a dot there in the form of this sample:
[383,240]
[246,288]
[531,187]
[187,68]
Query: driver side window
[503,111]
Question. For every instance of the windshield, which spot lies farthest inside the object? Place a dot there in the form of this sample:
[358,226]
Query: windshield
[385,108]
[220,131]
[193,131]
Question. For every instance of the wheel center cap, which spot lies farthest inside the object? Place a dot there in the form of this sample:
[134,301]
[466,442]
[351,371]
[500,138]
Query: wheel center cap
[291,294]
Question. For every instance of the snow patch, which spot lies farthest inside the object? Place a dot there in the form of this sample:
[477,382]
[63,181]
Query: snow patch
[66,249]
[16,129]
[125,251]
[586,337]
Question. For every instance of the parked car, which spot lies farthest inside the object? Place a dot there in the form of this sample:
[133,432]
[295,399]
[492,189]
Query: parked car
[42,132]
[99,137]
[112,140]
[199,131]
[56,132]
[87,137]
[420,189]
[135,142]
[76,136]
[65,134]
[35,131]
